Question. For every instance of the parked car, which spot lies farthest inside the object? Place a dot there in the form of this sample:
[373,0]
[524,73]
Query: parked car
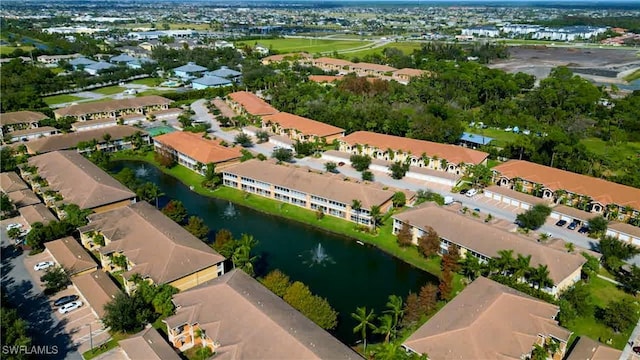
[561,223]
[471,192]
[14,226]
[70,307]
[43,265]
[65,300]
[636,349]
[584,229]
[463,191]
[341,163]
[574,224]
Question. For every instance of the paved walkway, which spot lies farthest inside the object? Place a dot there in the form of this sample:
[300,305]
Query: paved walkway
[627,352]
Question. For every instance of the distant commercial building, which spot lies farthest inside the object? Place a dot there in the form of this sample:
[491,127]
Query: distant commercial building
[484,31]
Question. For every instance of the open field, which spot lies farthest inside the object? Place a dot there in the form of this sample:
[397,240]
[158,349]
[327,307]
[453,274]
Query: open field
[406,47]
[5,50]
[147,81]
[500,137]
[633,76]
[59,99]
[109,90]
[309,45]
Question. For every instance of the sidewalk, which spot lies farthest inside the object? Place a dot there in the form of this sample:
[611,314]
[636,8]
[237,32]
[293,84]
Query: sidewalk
[627,352]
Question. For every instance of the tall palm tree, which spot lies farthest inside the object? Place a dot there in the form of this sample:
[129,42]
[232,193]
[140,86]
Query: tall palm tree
[375,215]
[521,267]
[471,267]
[154,192]
[505,261]
[395,309]
[386,327]
[540,277]
[356,205]
[365,322]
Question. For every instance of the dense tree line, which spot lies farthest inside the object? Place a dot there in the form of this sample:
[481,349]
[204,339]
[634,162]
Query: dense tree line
[212,59]
[14,330]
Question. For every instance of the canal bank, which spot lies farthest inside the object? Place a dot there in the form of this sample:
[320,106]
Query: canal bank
[335,267]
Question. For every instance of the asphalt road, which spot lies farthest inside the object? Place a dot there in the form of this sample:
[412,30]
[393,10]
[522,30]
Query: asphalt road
[32,305]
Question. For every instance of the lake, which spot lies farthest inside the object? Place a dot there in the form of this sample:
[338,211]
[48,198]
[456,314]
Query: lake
[347,274]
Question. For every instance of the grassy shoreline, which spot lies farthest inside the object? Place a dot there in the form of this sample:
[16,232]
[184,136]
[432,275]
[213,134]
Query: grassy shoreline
[383,240]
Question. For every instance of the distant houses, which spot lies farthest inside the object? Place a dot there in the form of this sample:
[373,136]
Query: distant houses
[189,71]
[300,128]
[24,125]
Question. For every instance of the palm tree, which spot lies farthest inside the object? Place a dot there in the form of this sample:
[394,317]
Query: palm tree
[356,205]
[242,255]
[504,262]
[395,309]
[386,327]
[471,267]
[540,277]
[153,192]
[375,215]
[521,267]
[365,322]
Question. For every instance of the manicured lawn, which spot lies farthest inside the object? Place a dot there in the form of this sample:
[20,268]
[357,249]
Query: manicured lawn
[500,137]
[624,151]
[309,45]
[406,47]
[109,90]
[5,50]
[59,99]
[633,76]
[147,81]
[88,355]
[154,92]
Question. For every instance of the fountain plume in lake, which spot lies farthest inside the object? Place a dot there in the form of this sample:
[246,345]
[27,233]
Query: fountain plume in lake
[142,171]
[318,256]
[230,211]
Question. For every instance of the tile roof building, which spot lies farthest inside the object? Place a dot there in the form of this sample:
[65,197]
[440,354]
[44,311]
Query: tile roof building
[328,193]
[69,254]
[587,349]
[241,319]
[300,128]
[119,139]
[488,320]
[78,181]
[155,247]
[148,345]
[36,213]
[331,64]
[245,102]
[22,198]
[114,108]
[191,150]
[11,181]
[367,69]
[97,289]
[299,57]
[21,123]
[602,196]
[484,241]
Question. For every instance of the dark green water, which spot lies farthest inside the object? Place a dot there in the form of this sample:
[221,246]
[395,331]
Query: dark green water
[351,275]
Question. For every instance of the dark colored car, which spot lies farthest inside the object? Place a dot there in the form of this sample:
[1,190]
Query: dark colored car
[463,191]
[574,224]
[636,349]
[561,223]
[584,229]
[65,300]
[341,163]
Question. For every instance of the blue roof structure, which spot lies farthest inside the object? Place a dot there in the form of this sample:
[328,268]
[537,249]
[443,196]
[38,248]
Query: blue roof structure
[475,138]
[81,61]
[191,67]
[99,66]
[212,81]
[122,58]
[224,72]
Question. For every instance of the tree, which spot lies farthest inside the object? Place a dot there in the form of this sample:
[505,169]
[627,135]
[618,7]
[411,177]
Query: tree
[429,243]
[14,233]
[55,279]
[315,308]
[580,299]
[428,298]
[386,327]
[14,331]
[446,284]
[7,159]
[6,205]
[399,199]
[521,267]
[356,206]
[451,258]
[534,218]
[398,170]
[404,236]
[591,267]
[197,227]
[75,216]
[376,216]
[224,243]
[394,308]
[360,162]
[149,192]
[282,154]
[241,257]
[631,280]
[331,166]
[211,177]
[243,140]
[620,315]
[614,252]
[277,282]
[165,159]
[367,175]
[480,175]
[175,210]
[126,314]
[597,225]
[262,136]
[540,277]
[365,322]
[412,310]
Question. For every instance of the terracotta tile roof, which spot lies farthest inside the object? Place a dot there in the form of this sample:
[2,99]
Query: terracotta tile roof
[304,125]
[97,288]
[323,185]
[410,72]
[529,199]
[71,255]
[374,67]
[486,320]
[602,191]
[624,228]
[255,323]
[587,349]
[159,247]
[22,198]
[198,148]
[71,140]
[112,105]
[452,153]
[290,56]
[11,181]
[148,345]
[324,78]
[39,130]
[332,61]
[36,213]
[252,103]
[488,240]
[21,117]
[78,180]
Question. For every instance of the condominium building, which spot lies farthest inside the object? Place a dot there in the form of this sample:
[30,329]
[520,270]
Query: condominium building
[300,128]
[246,103]
[114,108]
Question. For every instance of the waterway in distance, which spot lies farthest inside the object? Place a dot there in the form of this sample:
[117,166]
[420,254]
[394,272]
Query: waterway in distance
[347,274]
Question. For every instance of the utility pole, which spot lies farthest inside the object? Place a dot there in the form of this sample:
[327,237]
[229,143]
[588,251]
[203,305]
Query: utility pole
[90,337]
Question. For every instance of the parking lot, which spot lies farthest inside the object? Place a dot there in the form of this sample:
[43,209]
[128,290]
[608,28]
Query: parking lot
[497,203]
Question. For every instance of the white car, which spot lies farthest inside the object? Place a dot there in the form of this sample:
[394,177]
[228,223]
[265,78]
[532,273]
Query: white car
[70,307]
[14,226]
[471,192]
[43,265]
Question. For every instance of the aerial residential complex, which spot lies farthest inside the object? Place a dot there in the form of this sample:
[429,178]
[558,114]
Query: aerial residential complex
[244,102]
[116,109]
[120,138]
[300,128]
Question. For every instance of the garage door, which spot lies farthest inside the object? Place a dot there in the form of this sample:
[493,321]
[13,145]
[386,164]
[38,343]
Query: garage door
[566,218]
[515,203]
[488,194]
[525,206]
[497,197]
[623,237]
[555,215]
[635,241]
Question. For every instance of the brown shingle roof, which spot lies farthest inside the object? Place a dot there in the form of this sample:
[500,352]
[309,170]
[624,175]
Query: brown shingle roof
[374,67]
[97,288]
[410,72]
[148,345]
[574,213]
[332,61]
[112,105]
[159,247]
[624,228]
[198,148]
[324,78]
[322,185]
[255,323]
[486,320]
[588,349]
[602,191]
[21,117]
[10,181]
[252,104]
[304,125]
[22,198]
[78,180]
[38,130]
[451,153]
[80,124]
[225,110]
[36,213]
[71,255]
[488,240]
[71,140]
